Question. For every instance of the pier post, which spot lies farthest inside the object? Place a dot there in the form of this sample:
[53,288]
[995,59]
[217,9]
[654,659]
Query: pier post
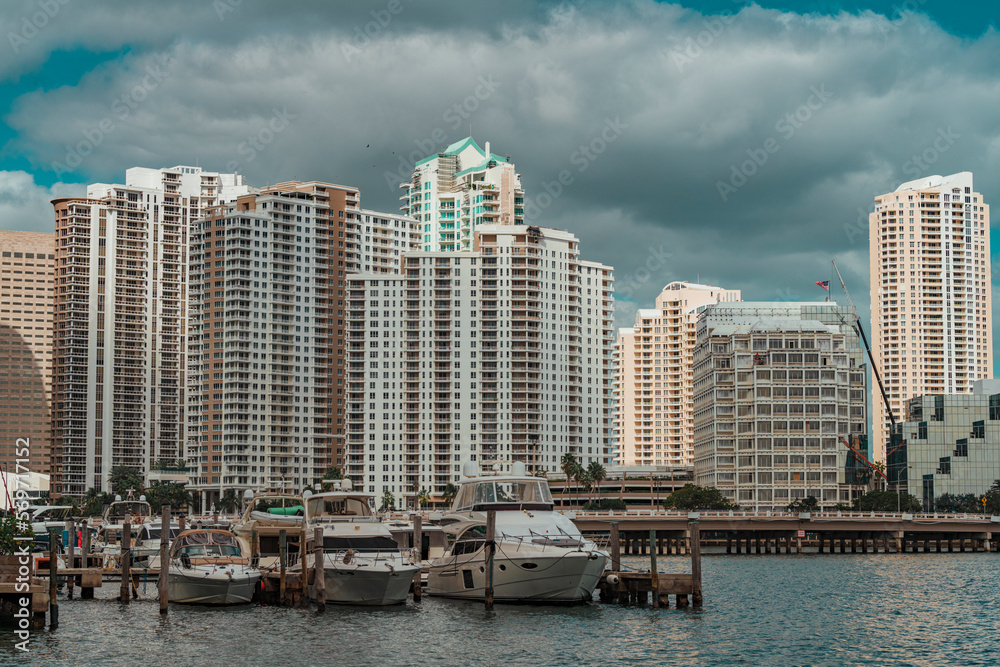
[654,577]
[491,545]
[899,540]
[126,564]
[729,543]
[53,566]
[304,574]
[319,576]
[798,544]
[181,523]
[282,556]
[418,544]
[85,593]
[71,554]
[616,548]
[254,545]
[695,532]
[756,543]
[164,556]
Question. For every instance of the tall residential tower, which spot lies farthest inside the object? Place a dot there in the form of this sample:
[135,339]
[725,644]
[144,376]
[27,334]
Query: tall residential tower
[655,423]
[932,321]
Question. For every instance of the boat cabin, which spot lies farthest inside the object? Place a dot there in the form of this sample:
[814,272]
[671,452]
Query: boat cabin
[503,493]
[206,547]
[133,511]
[340,506]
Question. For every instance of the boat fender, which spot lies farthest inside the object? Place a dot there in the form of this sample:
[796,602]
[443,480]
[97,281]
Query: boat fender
[349,556]
[613,579]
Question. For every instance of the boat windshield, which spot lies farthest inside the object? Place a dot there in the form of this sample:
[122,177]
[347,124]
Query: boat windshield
[210,550]
[338,507]
[503,492]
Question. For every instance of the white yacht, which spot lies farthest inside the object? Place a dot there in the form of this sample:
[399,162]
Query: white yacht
[362,563]
[109,535]
[266,514]
[540,555]
[206,567]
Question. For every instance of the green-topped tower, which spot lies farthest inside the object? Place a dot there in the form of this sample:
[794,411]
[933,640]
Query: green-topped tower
[463,186]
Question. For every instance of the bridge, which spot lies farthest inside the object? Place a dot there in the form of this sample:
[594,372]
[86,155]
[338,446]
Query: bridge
[770,532]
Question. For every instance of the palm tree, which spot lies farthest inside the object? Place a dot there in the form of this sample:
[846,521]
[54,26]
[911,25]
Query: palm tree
[423,497]
[388,501]
[568,466]
[597,474]
[450,491]
[229,502]
[586,481]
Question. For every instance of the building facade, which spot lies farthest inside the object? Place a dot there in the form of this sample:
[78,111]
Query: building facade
[267,381]
[654,422]
[931,311]
[779,389]
[454,191]
[120,323]
[26,306]
[498,354]
[949,444]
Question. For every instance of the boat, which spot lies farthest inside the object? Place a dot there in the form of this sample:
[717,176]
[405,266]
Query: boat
[146,543]
[44,517]
[206,567]
[108,539]
[540,555]
[362,564]
[266,514]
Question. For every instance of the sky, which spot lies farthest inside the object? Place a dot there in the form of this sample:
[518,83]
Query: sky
[729,143]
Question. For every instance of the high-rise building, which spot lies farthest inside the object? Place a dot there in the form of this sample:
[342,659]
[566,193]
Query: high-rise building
[654,423]
[26,301]
[492,355]
[266,374]
[454,191]
[121,319]
[778,388]
[932,318]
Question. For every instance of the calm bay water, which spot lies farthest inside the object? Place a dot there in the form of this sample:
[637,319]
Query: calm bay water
[907,609]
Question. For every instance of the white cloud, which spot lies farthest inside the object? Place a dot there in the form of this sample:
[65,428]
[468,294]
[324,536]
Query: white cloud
[26,206]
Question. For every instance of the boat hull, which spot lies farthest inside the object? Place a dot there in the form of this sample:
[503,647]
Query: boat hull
[211,588]
[366,583]
[568,577]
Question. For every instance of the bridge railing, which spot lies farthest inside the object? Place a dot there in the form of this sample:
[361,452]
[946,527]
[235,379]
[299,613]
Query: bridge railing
[742,514]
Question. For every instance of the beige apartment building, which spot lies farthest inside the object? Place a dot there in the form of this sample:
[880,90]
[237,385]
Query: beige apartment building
[266,342]
[26,298]
[654,418]
[120,325]
[932,321]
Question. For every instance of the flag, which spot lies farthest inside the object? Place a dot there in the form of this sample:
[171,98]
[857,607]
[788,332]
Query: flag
[825,284]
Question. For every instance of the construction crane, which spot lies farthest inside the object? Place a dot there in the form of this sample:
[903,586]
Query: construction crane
[878,378]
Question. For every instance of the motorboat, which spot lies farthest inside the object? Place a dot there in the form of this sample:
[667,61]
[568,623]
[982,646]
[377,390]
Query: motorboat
[146,542]
[540,554]
[434,541]
[44,517]
[108,540]
[266,514]
[207,567]
[362,564]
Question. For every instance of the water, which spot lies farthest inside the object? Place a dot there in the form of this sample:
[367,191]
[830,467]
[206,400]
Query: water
[905,609]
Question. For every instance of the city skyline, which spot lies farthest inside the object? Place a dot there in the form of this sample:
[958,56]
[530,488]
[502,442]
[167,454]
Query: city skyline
[743,179]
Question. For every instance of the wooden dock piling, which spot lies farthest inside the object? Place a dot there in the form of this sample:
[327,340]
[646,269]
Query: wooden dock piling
[304,572]
[71,554]
[126,570]
[319,575]
[53,567]
[282,555]
[418,543]
[491,547]
[616,547]
[164,557]
[695,529]
[653,574]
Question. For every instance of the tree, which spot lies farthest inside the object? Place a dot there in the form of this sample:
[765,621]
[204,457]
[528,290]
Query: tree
[423,497]
[569,465]
[887,501]
[94,502]
[993,499]
[597,474]
[229,502]
[10,530]
[168,492]
[332,474]
[585,480]
[450,491]
[807,504]
[693,497]
[123,478]
[388,502]
[956,504]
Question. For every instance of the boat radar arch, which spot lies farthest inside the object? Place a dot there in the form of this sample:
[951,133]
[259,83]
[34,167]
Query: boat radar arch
[470,469]
[517,469]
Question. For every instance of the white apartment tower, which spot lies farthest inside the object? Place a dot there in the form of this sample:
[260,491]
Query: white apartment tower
[266,405]
[932,321]
[121,320]
[454,191]
[655,423]
[778,389]
[492,355]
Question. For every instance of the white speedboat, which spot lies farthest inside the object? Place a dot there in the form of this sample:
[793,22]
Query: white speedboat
[540,555]
[362,563]
[206,567]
